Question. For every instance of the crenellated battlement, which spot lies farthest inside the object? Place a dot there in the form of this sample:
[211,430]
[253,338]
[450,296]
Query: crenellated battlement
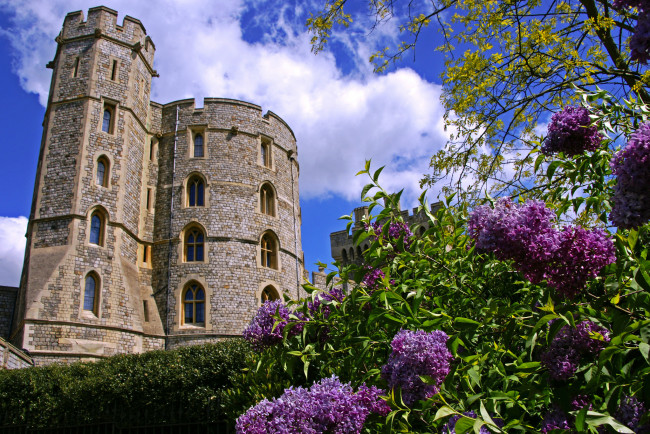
[243,117]
[345,250]
[102,21]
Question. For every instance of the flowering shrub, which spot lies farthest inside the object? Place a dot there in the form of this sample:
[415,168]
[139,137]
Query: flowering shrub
[570,345]
[416,354]
[561,349]
[327,406]
[264,330]
[570,132]
[631,166]
[567,259]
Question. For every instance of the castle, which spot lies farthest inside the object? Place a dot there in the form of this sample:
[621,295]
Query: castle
[152,225]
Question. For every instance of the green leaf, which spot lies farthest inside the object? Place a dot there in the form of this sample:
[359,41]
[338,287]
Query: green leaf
[375,176]
[580,419]
[365,190]
[538,161]
[465,322]
[444,411]
[597,419]
[551,169]
[464,424]
[632,238]
[645,351]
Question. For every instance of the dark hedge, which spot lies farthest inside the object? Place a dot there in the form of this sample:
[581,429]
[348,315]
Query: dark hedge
[179,386]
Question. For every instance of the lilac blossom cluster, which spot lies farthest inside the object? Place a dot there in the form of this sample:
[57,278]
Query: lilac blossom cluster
[630,412]
[315,306]
[373,278]
[261,332]
[417,353]
[395,231]
[570,132]
[555,419]
[327,406]
[640,40]
[570,345]
[525,234]
[631,165]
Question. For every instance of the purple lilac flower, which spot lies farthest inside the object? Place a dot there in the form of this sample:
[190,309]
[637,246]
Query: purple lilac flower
[631,165]
[580,255]
[630,412]
[643,5]
[525,234]
[395,231]
[579,402]
[373,278]
[417,353]
[555,419]
[450,426]
[327,406]
[260,332]
[315,306]
[640,40]
[563,355]
[570,132]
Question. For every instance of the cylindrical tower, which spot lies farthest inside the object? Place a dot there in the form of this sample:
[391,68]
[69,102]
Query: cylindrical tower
[227,222]
[84,280]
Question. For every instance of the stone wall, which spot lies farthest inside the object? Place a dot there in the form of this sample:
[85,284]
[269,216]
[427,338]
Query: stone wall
[12,358]
[231,219]
[345,251]
[8,296]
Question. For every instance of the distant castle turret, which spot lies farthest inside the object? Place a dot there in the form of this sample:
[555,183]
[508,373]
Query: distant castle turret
[152,225]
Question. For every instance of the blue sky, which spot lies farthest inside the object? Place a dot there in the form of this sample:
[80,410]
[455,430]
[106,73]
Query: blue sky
[257,51]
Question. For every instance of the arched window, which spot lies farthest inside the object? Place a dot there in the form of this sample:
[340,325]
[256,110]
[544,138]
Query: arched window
[198,145]
[194,245]
[359,254]
[267,200]
[269,293]
[195,191]
[103,170]
[97,229]
[344,253]
[351,254]
[194,304]
[269,250]
[107,120]
[91,293]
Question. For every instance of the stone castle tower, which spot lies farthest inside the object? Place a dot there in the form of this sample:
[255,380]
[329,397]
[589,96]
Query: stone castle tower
[152,225]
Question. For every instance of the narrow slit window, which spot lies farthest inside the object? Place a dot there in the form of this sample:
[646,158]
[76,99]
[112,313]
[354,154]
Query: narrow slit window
[75,67]
[145,254]
[114,70]
[149,199]
[145,309]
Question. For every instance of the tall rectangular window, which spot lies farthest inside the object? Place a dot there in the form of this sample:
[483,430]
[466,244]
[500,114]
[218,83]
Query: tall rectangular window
[148,199]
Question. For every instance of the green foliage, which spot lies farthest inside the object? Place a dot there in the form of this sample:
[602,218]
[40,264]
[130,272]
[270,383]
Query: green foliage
[508,64]
[498,323]
[160,386]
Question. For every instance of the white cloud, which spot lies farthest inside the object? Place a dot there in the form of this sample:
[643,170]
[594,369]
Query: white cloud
[340,119]
[12,249]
